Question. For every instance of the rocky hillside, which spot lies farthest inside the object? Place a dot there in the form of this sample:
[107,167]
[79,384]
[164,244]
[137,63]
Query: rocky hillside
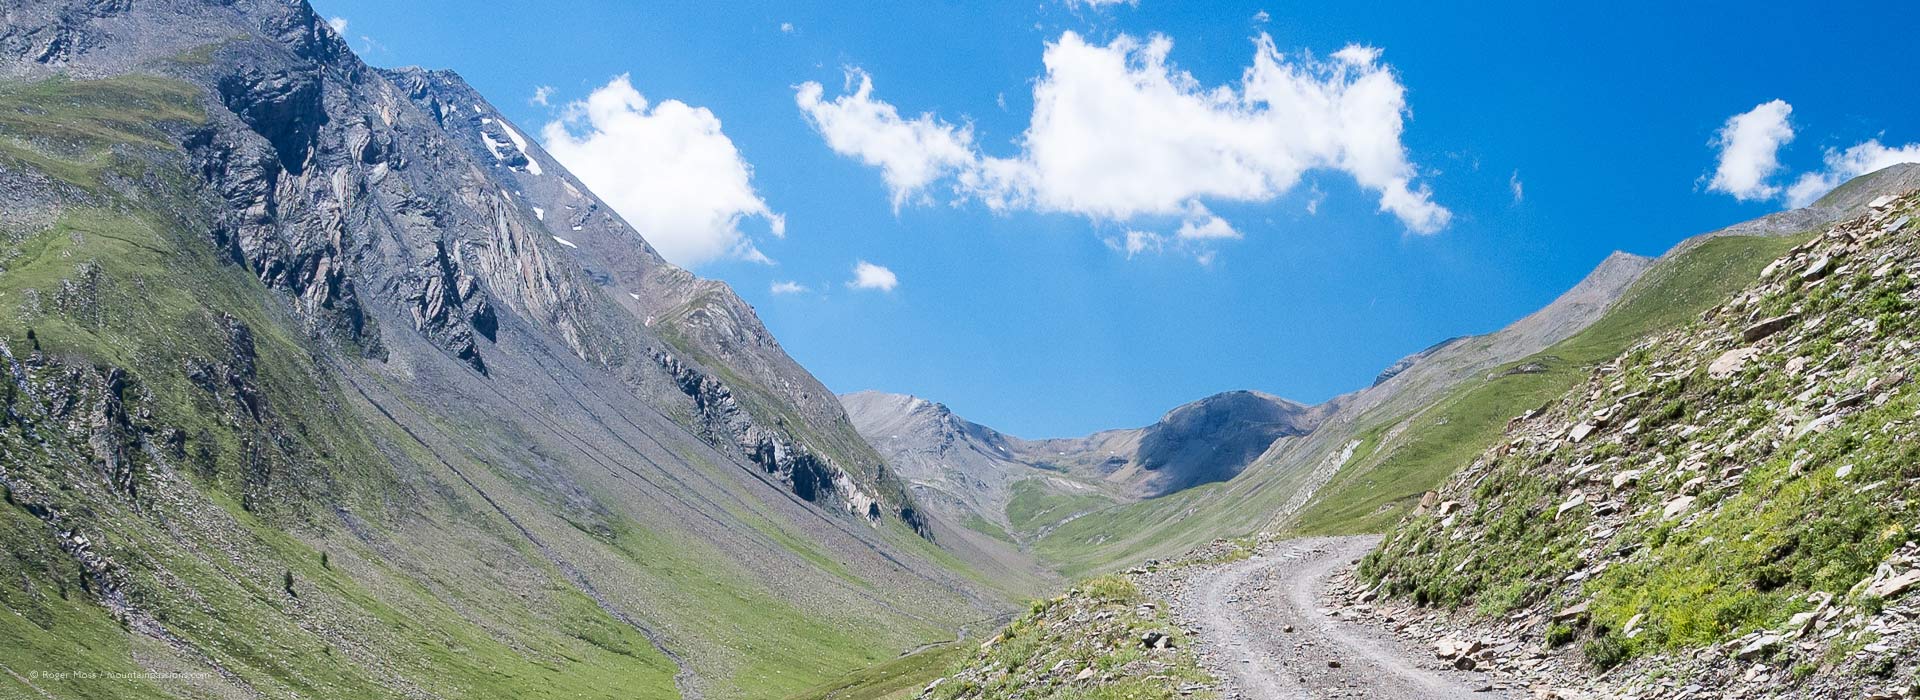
[322,380]
[1726,507]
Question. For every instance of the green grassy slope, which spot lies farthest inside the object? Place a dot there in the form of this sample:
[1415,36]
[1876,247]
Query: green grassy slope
[1035,507]
[898,679]
[1383,482]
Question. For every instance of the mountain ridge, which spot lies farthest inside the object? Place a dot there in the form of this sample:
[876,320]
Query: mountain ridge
[1202,441]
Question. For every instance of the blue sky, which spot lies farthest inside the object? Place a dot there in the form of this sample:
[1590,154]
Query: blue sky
[1020,306]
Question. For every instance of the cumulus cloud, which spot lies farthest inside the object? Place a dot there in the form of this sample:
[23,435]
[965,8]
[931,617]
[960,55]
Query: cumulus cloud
[667,168]
[789,288]
[1099,3]
[910,153]
[1749,146]
[867,275]
[541,95]
[339,25]
[1137,242]
[1845,164]
[1262,17]
[1200,224]
[786,27]
[1749,158]
[1118,134]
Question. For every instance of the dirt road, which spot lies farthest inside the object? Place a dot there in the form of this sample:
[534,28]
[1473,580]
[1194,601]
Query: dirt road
[1263,631]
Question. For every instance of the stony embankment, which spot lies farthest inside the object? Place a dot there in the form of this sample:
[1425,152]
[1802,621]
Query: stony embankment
[1728,510]
[1511,659]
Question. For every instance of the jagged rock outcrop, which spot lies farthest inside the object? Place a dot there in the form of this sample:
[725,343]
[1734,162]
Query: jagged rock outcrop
[812,477]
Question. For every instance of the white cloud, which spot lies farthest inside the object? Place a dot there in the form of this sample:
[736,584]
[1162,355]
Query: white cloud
[540,95]
[910,153]
[1262,17]
[1100,3]
[789,288]
[339,25]
[1749,146]
[1200,224]
[1117,133]
[667,168]
[1137,242]
[786,27]
[1197,229]
[1357,55]
[1519,188]
[867,275]
[1844,165]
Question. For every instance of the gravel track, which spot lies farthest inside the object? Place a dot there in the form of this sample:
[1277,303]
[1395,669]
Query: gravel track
[1262,629]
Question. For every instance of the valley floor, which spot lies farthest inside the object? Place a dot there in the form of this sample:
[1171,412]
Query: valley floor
[1264,628]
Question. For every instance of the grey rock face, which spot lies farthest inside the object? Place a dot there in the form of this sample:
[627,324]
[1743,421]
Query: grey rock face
[1205,441]
[1403,363]
[690,325]
[1213,439]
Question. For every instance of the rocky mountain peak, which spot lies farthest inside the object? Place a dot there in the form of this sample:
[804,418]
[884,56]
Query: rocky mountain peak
[1213,439]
